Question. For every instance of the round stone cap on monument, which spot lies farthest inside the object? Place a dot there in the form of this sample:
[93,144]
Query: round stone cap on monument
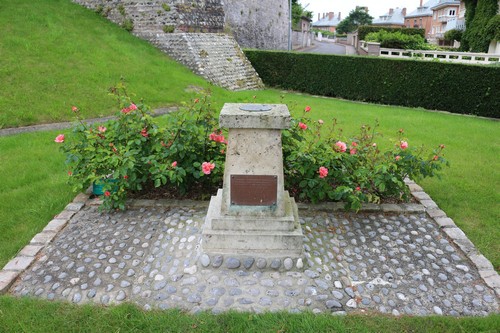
[265,116]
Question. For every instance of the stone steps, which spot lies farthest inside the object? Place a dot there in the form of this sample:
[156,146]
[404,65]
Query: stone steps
[216,57]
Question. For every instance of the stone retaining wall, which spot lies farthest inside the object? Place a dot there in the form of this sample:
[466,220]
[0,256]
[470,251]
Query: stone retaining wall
[217,57]
[155,16]
[189,32]
[258,24]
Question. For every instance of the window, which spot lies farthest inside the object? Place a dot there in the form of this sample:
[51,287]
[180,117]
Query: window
[452,12]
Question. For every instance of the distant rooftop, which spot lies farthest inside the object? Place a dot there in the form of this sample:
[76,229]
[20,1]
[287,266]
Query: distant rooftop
[328,20]
[394,16]
[444,3]
[425,10]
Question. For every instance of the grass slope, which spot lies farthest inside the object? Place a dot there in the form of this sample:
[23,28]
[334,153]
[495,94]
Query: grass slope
[55,53]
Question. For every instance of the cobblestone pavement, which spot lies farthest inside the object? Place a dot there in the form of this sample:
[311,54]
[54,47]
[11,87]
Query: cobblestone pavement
[398,263]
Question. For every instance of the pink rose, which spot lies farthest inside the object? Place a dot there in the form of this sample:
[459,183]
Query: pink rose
[144,132]
[107,194]
[70,173]
[358,188]
[323,172]
[207,167]
[132,107]
[101,129]
[174,164]
[320,122]
[374,145]
[354,144]
[217,137]
[59,138]
[398,158]
[307,108]
[341,146]
[435,158]
[74,108]
[303,126]
[403,144]
[353,151]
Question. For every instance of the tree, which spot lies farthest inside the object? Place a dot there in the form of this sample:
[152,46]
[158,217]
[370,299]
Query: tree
[453,34]
[298,12]
[478,34]
[352,21]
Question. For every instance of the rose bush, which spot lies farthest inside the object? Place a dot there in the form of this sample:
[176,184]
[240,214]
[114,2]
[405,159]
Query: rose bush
[136,152]
[319,165]
[186,155]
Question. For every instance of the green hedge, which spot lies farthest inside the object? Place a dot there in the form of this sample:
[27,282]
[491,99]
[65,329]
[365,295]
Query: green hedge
[456,88]
[366,29]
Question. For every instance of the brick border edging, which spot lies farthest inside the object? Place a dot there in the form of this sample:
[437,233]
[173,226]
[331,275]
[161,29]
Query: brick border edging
[27,255]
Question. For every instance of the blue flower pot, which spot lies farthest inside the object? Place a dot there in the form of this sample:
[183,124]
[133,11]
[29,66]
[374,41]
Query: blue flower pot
[99,187]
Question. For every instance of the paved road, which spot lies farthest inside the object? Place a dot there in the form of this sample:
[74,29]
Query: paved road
[325,48]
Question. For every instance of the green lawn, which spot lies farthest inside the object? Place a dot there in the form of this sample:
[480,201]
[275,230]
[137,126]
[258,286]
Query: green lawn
[54,54]
[71,55]
[32,316]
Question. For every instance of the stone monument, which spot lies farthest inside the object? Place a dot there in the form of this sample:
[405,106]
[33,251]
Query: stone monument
[253,215]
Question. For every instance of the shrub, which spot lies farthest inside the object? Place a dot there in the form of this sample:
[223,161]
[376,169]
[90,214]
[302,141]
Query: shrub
[320,164]
[168,29]
[187,155]
[458,88]
[366,29]
[453,34]
[122,11]
[397,40]
[136,153]
[128,25]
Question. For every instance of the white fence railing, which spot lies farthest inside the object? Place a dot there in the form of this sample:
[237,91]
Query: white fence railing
[461,57]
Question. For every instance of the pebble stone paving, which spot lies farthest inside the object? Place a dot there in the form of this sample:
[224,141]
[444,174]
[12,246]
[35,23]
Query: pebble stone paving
[373,262]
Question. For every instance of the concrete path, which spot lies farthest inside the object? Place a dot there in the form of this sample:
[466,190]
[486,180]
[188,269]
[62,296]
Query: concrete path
[396,259]
[66,125]
[329,48]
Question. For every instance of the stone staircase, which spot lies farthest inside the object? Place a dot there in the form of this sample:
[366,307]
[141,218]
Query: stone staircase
[189,32]
[216,57]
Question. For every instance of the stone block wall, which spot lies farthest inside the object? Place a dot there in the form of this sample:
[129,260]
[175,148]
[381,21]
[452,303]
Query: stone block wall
[258,24]
[190,32]
[158,16]
[217,57]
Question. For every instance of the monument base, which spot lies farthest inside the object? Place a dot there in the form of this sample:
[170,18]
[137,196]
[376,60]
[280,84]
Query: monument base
[255,236]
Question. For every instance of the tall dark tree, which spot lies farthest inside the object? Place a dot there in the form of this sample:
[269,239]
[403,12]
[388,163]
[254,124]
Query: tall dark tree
[352,21]
[297,12]
[478,32]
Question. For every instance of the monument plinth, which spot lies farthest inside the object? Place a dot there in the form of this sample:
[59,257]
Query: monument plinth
[252,214]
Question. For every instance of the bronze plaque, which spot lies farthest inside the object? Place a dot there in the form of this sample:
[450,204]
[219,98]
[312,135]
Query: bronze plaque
[254,190]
